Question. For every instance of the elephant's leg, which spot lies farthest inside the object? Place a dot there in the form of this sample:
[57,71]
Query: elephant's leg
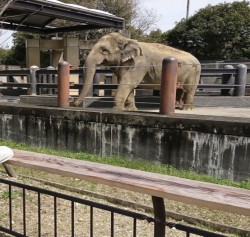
[179,98]
[130,103]
[188,98]
[123,92]
[128,82]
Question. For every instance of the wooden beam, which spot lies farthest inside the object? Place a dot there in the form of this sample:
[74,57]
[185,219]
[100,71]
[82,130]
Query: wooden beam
[209,195]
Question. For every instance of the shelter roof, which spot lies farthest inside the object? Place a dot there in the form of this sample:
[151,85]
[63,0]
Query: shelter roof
[37,16]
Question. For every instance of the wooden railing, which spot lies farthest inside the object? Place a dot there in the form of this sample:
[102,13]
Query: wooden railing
[230,199]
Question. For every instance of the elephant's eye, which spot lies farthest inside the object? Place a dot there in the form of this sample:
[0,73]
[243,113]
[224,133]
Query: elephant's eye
[104,50]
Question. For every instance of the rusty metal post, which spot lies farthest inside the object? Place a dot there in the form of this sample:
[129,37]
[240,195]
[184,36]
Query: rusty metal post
[159,216]
[168,85]
[63,84]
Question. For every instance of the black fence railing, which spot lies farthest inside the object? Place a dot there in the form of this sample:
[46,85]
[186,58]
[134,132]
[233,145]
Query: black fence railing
[44,81]
[31,211]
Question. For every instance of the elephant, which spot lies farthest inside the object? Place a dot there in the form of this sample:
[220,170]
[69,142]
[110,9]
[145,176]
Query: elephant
[136,63]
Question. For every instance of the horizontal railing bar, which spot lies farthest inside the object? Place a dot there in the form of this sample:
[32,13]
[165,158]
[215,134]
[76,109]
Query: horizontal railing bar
[15,72]
[76,199]
[204,71]
[11,232]
[112,86]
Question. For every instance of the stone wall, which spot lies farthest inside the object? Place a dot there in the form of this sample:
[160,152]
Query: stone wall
[215,146]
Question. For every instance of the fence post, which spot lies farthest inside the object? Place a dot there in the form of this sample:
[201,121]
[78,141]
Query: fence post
[226,79]
[63,84]
[240,80]
[159,216]
[168,85]
[50,80]
[33,80]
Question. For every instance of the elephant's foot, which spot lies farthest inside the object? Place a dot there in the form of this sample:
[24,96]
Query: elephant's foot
[131,107]
[187,107]
[179,104]
[118,108]
[77,103]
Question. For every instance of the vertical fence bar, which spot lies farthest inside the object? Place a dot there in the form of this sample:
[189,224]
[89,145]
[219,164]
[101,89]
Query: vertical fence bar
[226,79]
[55,216]
[63,84]
[134,227]
[72,219]
[240,80]
[33,79]
[10,207]
[39,214]
[159,216]
[168,85]
[91,222]
[112,224]
[24,212]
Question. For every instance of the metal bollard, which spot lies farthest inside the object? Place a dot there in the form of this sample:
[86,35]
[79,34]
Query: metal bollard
[50,80]
[168,85]
[240,80]
[33,80]
[226,79]
[63,84]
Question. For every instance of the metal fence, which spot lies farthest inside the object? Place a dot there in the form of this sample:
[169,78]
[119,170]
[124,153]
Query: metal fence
[44,81]
[33,211]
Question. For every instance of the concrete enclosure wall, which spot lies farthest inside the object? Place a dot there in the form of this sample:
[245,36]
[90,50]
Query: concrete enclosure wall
[217,147]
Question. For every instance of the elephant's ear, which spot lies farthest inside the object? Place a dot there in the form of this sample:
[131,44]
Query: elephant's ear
[130,50]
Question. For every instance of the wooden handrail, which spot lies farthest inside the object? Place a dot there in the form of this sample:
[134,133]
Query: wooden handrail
[209,195]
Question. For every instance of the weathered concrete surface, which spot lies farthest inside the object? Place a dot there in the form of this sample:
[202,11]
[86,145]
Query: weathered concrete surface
[215,145]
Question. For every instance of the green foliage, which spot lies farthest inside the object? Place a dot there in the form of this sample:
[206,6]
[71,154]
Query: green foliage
[215,32]
[14,194]
[132,164]
[16,55]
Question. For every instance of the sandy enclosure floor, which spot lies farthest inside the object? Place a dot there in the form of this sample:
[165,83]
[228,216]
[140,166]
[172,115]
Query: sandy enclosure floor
[123,226]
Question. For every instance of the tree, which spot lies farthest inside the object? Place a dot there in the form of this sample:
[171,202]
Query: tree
[130,10]
[214,32]
[138,20]
[15,55]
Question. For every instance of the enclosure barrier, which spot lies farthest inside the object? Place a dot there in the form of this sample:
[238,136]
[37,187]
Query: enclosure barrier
[230,199]
[63,84]
[12,187]
[40,80]
[168,85]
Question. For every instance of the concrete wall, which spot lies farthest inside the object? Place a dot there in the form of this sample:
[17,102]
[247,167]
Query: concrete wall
[218,147]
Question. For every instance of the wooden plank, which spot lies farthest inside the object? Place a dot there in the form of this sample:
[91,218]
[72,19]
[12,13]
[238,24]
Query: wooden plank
[209,195]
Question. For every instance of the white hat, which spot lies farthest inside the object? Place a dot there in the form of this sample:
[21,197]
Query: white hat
[5,153]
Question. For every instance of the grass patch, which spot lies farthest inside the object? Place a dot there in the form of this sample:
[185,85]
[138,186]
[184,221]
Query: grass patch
[132,164]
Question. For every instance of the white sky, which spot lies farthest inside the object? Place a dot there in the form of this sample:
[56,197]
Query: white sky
[172,11]
[168,11]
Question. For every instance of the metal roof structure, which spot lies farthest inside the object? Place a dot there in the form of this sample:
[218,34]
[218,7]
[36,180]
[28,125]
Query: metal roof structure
[37,16]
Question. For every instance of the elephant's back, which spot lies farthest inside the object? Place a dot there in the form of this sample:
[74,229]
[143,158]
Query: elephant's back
[163,51]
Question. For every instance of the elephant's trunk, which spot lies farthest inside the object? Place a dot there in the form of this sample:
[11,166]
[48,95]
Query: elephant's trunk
[89,73]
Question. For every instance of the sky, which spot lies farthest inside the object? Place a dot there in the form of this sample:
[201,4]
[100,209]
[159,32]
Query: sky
[168,11]
[172,11]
